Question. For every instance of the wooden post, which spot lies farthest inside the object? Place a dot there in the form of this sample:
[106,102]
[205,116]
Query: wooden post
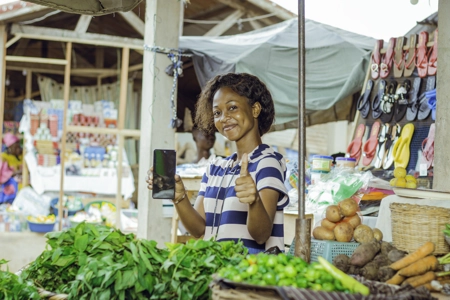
[28,90]
[3,35]
[161,29]
[121,125]
[64,129]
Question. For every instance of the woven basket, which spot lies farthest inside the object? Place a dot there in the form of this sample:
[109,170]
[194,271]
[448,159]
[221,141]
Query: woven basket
[414,225]
[219,293]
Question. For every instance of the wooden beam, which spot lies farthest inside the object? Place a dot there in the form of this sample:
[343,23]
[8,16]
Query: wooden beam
[86,129]
[6,16]
[12,41]
[134,21]
[30,59]
[270,7]
[85,72]
[254,23]
[23,96]
[62,35]
[3,35]
[83,23]
[234,4]
[64,129]
[28,90]
[226,24]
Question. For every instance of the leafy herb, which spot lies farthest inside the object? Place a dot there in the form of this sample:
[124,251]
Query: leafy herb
[12,287]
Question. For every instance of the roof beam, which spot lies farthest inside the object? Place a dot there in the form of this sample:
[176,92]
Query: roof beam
[83,23]
[61,35]
[254,23]
[5,16]
[269,6]
[226,24]
[134,21]
[236,4]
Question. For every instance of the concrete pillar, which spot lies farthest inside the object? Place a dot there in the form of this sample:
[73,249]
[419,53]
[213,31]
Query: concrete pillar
[162,28]
[442,137]
[2,77]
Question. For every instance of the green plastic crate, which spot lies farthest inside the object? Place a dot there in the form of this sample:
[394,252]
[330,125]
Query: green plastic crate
[327,249]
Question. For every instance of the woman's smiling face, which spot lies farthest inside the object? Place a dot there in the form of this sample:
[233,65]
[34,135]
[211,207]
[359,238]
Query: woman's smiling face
[233,115]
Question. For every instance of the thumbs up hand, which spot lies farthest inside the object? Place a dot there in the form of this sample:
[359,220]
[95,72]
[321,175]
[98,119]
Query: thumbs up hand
[245,187]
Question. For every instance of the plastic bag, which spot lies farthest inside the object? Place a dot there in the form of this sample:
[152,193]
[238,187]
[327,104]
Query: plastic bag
[31,203]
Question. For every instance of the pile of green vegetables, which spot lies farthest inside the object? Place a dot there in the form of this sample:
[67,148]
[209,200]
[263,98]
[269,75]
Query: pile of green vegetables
[99,262]
[282,270]
[12,287]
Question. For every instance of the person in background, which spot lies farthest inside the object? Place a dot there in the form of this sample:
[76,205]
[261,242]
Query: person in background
[13,154]
[204,143]
[242,196]
[10,168]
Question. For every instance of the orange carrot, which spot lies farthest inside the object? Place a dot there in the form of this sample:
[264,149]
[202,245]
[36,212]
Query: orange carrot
[396,279]
[429,287]
[422,279]
[423,265]
[423,251]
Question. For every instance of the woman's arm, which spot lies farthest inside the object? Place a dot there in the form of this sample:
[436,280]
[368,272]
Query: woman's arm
[193,218]
[261,214]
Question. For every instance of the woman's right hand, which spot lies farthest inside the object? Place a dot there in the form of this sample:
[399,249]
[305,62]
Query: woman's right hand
[180,191]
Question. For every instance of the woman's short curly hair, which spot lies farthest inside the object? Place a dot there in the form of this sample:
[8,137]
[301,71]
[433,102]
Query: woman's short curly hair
[243,84]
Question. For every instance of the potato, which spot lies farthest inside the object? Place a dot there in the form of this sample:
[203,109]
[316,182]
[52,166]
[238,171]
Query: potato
[327,224]
[348,207]
[321,233]
[333,214]
[343,232]
[341,262]
[363,234]
[355,220]
[364,253]
[377,234]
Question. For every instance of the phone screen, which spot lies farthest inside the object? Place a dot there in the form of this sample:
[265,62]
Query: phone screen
[164,167]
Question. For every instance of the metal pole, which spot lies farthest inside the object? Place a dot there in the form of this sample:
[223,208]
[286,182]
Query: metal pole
[303,226]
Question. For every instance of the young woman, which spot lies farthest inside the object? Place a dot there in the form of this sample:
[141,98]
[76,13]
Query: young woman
[242,196]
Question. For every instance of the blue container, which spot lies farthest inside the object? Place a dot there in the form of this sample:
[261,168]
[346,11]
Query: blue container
[54,205]
[41,227]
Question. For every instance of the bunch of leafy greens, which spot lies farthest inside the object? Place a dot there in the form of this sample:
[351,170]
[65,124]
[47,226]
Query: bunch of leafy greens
[99,262]
[12,287]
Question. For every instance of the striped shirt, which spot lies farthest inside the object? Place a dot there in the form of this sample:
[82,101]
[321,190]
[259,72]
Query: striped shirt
[222,207]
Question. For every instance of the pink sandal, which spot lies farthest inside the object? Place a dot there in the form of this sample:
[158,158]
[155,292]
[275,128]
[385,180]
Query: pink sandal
[428,147]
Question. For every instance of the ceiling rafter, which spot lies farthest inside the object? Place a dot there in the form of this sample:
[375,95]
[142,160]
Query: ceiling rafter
[226,24]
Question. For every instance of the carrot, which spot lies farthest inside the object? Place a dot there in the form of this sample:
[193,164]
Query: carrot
[422,279]
[423,251]
[396,279]
[423,265]
[429,287]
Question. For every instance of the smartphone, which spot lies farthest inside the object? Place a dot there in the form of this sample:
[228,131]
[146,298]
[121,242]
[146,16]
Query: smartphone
[164,168]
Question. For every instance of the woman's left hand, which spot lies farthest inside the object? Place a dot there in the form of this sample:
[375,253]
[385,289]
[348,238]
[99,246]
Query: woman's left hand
[245,186]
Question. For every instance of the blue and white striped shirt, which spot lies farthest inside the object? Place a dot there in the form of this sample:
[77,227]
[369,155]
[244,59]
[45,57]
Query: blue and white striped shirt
[268,170]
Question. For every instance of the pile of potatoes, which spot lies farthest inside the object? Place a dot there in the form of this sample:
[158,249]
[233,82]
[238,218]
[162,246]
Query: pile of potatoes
[342,223]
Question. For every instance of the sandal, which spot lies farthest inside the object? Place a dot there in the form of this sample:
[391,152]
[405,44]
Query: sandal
[410,56]
[370,145]
[390,143]
[401,97]
[388,103]
[422,55]
[399,57]
[432,56]
[387,59]
[363,104]
[428,147]
[401,151]
[413,105]
[381,147]
[376,103]
[431,96]
[376,59]
[424,109]
[354,148]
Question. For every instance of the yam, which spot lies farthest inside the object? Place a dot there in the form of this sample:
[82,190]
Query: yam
[363,234]
[364,253]
[355,220]
[354,270]
[327,224]
[386,247]
[377,234]
[348,207]
[333,214]
[381,260]
[370,271]
[385,273]
[343,232]
[395,255]
[342,262]
[321,233]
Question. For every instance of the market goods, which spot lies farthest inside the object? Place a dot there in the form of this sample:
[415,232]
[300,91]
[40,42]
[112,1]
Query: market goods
[381,260]
[355,220]
[343,232]
[342,262]
[385,273]
[327,224]
[423,251]
[399,172]
[42,219]
[348,207]
[364,253]
[322,233]
[13,287]
[378,235]
[363,234]
[421,279]
[333,214]
[395,255]
[402,180]
[429,263]
[396,279]
[370,271]
[386,248]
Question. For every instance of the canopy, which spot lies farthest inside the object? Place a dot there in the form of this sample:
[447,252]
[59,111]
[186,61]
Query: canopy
[336,65]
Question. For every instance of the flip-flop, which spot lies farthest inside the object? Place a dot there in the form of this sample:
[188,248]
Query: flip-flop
[364,100]
[381,147]
[432,56]
[354,148]
[376,60]
[431,96]
[390,143]
[413,105]
[399,57]
[410,56]
[422,58]
[387,59]
[370,145]
[424,109]
[401,97]
[388,103]
[428,147]
[376,102]
[401,149]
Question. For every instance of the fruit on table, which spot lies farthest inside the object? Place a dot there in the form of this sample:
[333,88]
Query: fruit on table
[402,180]
[399,172]
[42,219]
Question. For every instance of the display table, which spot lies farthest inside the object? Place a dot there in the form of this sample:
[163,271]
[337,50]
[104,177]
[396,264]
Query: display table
[384,215]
